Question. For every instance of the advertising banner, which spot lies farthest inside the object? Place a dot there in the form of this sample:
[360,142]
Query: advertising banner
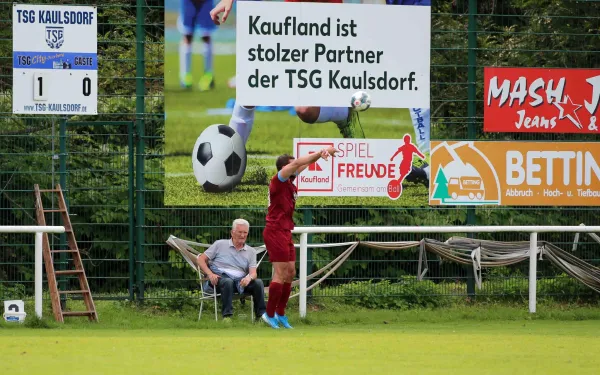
[515,173]
[240,94]
[541,100]
[310,54]
[362,168]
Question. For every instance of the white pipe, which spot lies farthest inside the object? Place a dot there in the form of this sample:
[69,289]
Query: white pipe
[38,274]
[448,229]
[303,272]
[31,229]
[532,271]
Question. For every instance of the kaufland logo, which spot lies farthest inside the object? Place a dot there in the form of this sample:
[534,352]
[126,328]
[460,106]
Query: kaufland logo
[314,167]
[318,176]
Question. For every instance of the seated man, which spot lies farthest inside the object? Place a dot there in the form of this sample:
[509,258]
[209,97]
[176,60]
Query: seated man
[233,268]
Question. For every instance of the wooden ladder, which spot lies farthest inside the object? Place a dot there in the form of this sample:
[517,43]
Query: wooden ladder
[51,272]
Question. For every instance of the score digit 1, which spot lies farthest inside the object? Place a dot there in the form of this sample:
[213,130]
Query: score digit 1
[40,86]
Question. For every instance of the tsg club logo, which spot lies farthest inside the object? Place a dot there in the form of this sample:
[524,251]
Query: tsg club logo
[55,36]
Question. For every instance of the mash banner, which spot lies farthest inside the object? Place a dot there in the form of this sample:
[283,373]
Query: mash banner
[515,173]
[541,100]
[316,54]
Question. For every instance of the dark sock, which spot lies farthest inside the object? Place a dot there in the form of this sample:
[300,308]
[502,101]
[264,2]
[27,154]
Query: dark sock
[283,300]
[275,290]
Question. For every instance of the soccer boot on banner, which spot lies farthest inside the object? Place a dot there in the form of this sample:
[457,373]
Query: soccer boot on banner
[351,128]
[207,82]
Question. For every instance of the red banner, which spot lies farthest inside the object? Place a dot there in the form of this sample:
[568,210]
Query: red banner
[541,100]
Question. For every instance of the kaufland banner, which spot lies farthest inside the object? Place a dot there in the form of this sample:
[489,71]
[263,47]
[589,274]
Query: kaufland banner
[361,168]
[541,100]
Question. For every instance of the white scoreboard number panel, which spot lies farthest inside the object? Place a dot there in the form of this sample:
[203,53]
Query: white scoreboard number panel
[55,92]
[55,62]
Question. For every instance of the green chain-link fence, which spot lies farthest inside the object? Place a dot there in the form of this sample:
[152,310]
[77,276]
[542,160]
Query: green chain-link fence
[111,166]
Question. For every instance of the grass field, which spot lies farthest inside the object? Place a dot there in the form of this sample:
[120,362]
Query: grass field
[272,135]
[477,340]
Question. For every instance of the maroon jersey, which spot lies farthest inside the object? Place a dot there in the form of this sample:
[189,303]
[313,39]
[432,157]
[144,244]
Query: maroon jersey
[282,202]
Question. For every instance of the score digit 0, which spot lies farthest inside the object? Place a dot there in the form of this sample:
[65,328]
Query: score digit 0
[40,87]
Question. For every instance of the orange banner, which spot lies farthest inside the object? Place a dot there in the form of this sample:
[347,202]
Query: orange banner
[515,173]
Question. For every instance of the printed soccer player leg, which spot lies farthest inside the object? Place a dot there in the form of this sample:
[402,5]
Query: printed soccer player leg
[242,120]
[346,119]
[194,15]
[206,28]
[186,25]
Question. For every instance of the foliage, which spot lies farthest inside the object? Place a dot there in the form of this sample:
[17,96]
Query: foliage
[407,294]
[411,294]
[12,291]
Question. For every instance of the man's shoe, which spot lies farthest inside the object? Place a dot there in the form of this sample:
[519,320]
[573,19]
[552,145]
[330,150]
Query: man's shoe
[351,128]
[207,82]
[186,81]
[284,321]
[270,321]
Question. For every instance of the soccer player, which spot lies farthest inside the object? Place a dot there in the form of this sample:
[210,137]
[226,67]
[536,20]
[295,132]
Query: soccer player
[277,234]
[242,118]
[195,14]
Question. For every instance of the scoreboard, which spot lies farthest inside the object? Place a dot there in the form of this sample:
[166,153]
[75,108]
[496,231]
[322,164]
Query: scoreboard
[55,61]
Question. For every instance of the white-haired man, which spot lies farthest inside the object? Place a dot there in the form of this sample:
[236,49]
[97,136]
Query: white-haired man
[231,265]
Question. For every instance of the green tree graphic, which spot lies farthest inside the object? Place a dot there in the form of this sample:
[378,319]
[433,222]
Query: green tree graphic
[441,187]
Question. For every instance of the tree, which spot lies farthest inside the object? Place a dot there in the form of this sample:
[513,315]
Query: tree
[441,186]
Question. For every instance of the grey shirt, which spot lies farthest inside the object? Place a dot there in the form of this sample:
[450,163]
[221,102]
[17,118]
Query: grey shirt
[225,257]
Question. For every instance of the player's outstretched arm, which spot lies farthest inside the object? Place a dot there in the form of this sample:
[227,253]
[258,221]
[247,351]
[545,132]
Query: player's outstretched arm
[298,165]
[224,6]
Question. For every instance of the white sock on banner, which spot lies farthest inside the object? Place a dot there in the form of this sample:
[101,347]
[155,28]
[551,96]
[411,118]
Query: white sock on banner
[242,120]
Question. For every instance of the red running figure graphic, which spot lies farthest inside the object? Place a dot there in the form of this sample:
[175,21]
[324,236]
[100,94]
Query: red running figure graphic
[408,150]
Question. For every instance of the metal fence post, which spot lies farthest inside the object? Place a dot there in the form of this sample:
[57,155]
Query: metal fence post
[139,172]
[131,208]
[308,221]
[62,177]
[471,113]
[532,271]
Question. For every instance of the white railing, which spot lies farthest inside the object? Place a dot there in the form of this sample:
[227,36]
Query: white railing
[532,230]
[39,261]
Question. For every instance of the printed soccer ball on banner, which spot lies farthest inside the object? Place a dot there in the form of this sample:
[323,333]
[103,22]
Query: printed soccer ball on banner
[219,159]
[361,101]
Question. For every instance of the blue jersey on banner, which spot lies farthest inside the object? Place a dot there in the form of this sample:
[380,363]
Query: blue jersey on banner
[195,15]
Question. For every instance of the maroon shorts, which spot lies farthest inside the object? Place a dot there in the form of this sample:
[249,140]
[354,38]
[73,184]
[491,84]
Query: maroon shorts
[280,245]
